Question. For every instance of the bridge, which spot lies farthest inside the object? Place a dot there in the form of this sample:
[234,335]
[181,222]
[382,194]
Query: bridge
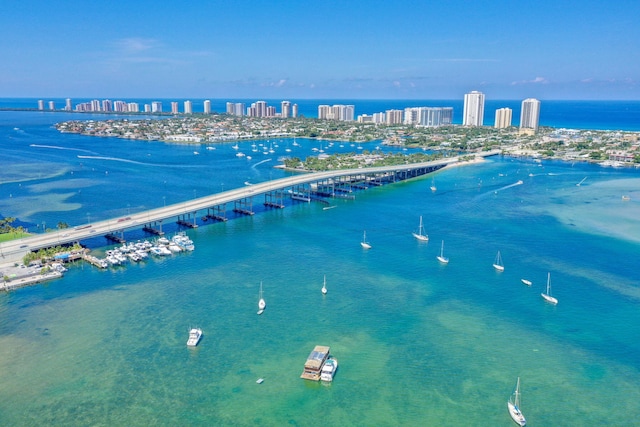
[301,187]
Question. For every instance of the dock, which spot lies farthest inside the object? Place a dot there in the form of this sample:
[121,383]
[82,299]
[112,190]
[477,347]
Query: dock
[315,362]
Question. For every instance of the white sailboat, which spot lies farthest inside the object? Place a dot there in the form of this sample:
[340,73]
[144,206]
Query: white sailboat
[526,282]
[261,303]
[441,257]
[497,264]
[514,406]
[433,185]
[420,234]
[324,285]
[547,295]
[364,242]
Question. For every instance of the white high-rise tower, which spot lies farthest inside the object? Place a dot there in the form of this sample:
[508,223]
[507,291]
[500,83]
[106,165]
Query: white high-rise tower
[530,114]
[473,114]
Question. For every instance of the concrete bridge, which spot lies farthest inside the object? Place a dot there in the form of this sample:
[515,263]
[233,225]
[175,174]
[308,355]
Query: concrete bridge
[299,186]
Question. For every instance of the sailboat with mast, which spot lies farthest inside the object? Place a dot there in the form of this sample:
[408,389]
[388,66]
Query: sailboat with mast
[261,303]
[497,263]
[514,406]
[547,295]
[420,234]
[441,257]
[364,242]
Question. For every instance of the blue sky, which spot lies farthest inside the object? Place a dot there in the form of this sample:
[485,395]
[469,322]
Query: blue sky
[561,49]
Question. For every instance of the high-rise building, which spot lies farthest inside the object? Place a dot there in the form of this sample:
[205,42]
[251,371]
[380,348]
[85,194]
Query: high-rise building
[147,108]
[503,118]
[188,107]
[174,107]
[345,113]
[285,111]
[207,107]
[428,116]
[52,105]
[133,107]
[530,114]
[294,110]
[67,104]
[95,105]
[393,117]
[106,105]
[40,104]
[156,107]
[473,114]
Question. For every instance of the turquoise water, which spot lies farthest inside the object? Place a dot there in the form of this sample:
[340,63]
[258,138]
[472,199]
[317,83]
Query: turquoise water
[418,343]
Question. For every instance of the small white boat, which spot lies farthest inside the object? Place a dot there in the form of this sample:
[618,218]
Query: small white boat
[324,285]
[364,242]
[441,257]
[420,234]
[514,406]
[194,337]
[235,147]
[329,369]
[259,380]
[497,264]
[626,198]
[261,303]
[547,295]
[433,185]
[195,153]
[526,282]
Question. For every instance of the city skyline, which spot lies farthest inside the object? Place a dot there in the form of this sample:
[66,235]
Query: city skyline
[329,50]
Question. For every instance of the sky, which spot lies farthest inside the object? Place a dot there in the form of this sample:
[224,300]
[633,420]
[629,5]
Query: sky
[330,49]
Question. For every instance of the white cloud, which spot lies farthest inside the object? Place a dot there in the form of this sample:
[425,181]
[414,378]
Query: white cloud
[537,80]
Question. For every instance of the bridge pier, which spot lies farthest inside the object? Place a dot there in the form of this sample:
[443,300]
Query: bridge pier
[274,199]
[244,206]
[301,193]
[185,220]
[218,213]
[150,228]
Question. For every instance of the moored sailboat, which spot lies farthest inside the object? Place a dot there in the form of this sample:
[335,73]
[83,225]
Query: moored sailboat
[261,303]
[420,235]
[497,264]
[364,242]
[514,406]
[441,257]
[547,295]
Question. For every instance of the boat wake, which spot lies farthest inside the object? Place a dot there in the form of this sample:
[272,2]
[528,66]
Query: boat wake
[55,147]
[260,162]
[135,162]
[508,186]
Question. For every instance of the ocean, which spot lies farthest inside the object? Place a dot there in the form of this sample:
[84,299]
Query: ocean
[418,342]
[600,115]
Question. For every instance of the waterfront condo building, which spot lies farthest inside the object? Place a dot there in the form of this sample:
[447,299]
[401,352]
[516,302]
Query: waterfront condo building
[67,104]
[428,116]
[285,109]
[188,107]
[529,115]
[503,118]
[207,106]
[294,111]
[393,117]
[174,107]
[156,107]
[52,105]
[345,113]
[473,114]
[40,104]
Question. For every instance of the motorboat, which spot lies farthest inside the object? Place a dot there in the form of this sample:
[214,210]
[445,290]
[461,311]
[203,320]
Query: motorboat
[194,337]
